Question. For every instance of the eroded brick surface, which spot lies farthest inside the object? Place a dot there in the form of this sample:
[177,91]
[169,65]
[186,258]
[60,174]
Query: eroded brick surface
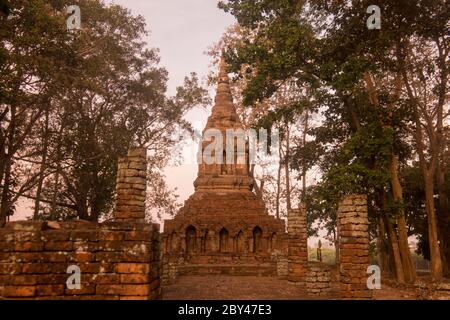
[353,247]
[109,268]
[297,245]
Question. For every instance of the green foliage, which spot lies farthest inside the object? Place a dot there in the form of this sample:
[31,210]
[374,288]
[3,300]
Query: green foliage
[104,92]
[325,45]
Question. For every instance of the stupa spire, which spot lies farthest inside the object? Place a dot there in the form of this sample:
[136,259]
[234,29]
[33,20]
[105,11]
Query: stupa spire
[224,176]
[224,99]
[223,74]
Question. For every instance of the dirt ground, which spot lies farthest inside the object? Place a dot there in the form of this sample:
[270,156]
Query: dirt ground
[225,287]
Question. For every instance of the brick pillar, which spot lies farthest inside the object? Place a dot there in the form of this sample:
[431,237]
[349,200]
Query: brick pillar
[131,186]
[297,244]
[318,281]
[353,247]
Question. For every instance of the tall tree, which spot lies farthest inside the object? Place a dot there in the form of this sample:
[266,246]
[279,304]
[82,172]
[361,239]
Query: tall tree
[32,44]
[328,46]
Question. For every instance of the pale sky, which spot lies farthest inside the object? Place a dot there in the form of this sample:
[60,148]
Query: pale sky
[182,30]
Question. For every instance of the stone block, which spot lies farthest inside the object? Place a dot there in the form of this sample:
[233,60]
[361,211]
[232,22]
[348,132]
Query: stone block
[50,290]
[58,246]
[123,289]
[141,268]
[85,289]
[134,278]
[17,291]
[23,280]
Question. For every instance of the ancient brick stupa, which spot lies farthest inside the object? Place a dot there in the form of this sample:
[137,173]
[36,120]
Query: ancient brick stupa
[223,220]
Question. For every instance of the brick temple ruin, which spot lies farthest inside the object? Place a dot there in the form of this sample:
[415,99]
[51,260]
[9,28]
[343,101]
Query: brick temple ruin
[223,228]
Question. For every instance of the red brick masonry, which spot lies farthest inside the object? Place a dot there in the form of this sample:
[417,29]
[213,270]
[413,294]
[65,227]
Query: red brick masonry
[118,260]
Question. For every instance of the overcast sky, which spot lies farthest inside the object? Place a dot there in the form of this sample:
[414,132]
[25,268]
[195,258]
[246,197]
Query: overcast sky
[182,30]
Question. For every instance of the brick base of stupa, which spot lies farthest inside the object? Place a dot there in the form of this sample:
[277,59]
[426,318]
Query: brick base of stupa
[228,232]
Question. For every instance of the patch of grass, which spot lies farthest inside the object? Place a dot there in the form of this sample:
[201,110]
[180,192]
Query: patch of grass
[328,255]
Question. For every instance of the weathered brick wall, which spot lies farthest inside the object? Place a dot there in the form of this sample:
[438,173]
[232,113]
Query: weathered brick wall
[297,244]
[318,279]
[353,227]
[131,185]
[117,260]
[170,265]
[282,265]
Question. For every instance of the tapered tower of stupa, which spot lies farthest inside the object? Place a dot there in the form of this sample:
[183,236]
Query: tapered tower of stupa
[227,174]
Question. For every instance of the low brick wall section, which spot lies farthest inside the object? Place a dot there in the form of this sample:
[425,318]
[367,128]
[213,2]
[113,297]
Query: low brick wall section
[282,266]
[318,279]
[117,260]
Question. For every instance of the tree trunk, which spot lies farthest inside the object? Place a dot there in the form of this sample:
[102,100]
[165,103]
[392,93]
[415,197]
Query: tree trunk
[58,170]
[305,129]
[435,252]
[336,246]
[428,175]
[42,167]
[443,218]
[5,198]
[428,167]
[406,259]
[407,262]
[55,191]
[395,252]
[286,169]
[336,243]
[392,236]
[277,199]
[382,244]
[2,162]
